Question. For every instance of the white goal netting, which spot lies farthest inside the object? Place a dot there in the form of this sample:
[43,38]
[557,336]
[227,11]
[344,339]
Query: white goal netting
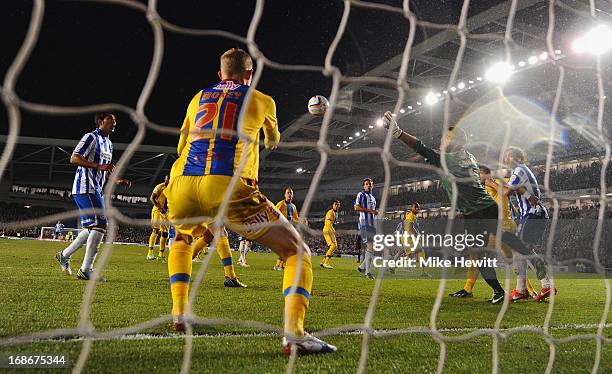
[15,105]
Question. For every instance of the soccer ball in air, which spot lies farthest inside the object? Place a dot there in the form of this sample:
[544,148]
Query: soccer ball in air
[317,105]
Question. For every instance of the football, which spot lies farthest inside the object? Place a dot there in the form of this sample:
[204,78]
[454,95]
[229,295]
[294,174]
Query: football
[317,105]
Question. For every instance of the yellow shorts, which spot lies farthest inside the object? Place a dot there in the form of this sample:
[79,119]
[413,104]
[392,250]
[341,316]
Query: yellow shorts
[201,196]
[330,238]
[159,220]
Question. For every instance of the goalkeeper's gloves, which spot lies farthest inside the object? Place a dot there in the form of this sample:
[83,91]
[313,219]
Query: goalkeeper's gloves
[390,124]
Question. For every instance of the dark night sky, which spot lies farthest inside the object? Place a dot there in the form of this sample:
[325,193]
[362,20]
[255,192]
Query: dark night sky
[93,53]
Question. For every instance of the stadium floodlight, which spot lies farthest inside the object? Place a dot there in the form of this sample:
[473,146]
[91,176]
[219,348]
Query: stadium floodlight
[370,127]
[409,107]
[453,89]
[431,98]
[344,142]
[521,63]
[543,56]
[363,130]
[478,78]
[299,170]
[557,51]
[419,103]
[350,138]
[532,60]
[499,72]
[439,94]
[596,41]
[402,110]
[357,133]
[471,82]
[445,92]
[379,122]
[461,85]
[338,145]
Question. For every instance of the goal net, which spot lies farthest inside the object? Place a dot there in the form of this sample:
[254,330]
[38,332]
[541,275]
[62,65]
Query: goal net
[495,25]
[48,232]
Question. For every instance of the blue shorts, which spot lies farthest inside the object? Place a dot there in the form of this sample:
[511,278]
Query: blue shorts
[94,202]
[367,234]
[171,232]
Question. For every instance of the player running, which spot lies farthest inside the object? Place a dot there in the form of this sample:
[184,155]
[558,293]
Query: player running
[159,220]
[479,210]
[365,204]
[209,154]
[329,233]
[289,211]
[93,157]
[59,226]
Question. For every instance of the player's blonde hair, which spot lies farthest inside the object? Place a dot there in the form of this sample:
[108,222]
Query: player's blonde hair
[235,62]
[518,155]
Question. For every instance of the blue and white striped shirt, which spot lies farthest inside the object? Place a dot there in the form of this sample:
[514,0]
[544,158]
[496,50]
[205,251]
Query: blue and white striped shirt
[523,177]
[368,201]
[94,147]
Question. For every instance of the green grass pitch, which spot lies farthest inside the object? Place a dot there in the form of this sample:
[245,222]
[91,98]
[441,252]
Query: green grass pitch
[36,296]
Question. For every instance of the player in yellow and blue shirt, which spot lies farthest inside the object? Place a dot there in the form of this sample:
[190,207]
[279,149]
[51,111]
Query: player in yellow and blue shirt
[289,211]
[210,152]
[329,233]
[159,220]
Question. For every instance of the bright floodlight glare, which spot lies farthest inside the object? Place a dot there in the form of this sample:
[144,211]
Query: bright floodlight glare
[543,56]
[350,138]
[445,92]
[471,82]
[409,107]
[370,127]
[478,78]
[453,89]
[299,170]
[557,51]
[499,72]
[338,145]
[344,142]
[363,130]
[461,85]
[596,42]
[521,63]
[357,133]
[402,110]
[379,122]
[418,103]
[431,98]
[532,60]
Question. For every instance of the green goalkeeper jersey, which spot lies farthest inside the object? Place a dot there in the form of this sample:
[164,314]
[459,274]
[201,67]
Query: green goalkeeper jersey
[471,194]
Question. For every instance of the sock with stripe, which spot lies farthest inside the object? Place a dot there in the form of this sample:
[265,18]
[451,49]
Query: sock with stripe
[179,270]
[472,275]
[152,241]
[162,244]
[225,254]
[296,301]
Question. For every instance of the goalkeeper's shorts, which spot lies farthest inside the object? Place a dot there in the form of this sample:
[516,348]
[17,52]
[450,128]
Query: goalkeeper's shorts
[159,220]
[91,207]
[248,212]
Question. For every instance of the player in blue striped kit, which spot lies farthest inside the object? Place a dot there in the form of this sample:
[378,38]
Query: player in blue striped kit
[93,157]
[365,204]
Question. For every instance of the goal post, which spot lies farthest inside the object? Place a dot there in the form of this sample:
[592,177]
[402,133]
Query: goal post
[48,233]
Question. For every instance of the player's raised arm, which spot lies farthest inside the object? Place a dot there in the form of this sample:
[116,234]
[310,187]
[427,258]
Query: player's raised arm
[270,127]
[430,155]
